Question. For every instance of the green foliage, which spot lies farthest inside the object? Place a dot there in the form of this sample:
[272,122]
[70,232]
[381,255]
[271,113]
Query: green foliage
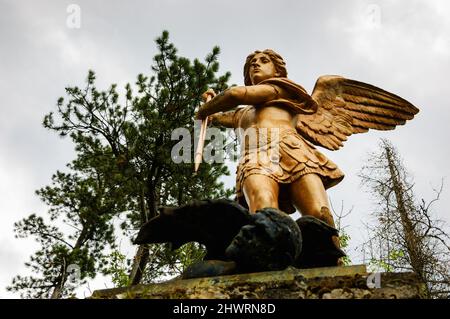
[166,263]
[117,268]
[344,237]
[344,240]
[394,256]
[123,164]
[77,205]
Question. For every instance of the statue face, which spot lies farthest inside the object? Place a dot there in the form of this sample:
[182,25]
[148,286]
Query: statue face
[271,242]
[250,247]
[261,68]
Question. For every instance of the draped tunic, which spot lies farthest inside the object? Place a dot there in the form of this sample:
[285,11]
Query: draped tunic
[280,153]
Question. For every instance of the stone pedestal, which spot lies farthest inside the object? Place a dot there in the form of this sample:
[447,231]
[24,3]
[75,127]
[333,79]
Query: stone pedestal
[350,282]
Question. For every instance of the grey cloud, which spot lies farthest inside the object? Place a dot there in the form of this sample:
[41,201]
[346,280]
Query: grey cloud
[406,54]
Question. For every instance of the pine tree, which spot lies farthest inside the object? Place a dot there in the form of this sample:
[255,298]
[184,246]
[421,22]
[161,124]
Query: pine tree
[73,236]
[123,164]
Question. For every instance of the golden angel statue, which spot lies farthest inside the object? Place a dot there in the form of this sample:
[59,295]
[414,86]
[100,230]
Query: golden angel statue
[299,175]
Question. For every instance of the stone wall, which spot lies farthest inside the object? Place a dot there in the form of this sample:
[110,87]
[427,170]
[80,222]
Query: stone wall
[351,282]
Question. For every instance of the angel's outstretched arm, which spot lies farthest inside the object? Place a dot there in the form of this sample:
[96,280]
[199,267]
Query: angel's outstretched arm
[238,95]
[223,119]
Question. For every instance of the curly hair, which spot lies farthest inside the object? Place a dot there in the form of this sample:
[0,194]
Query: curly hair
[276,59]
[272,241]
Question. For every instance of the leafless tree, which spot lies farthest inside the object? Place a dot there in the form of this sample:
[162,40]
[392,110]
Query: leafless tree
[406,236]
[344,237]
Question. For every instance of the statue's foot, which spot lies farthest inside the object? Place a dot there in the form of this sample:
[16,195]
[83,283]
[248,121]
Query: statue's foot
[340,262]
[209,268]
[321,246]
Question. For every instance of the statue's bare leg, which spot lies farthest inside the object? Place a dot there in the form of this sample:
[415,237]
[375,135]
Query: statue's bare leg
[310,198]
[260,191]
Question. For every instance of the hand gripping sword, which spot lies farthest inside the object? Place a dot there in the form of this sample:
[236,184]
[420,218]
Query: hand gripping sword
[201,141]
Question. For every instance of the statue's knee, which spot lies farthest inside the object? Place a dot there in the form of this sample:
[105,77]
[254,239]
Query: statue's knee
[324,214]
[265,199]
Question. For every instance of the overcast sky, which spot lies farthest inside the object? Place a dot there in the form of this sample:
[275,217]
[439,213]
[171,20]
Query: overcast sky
[400,46]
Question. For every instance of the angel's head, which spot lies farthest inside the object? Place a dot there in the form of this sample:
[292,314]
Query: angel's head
[262,65]
[272,241]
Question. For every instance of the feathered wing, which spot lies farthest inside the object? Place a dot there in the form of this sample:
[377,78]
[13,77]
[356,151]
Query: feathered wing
[213,223]
[346,107]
